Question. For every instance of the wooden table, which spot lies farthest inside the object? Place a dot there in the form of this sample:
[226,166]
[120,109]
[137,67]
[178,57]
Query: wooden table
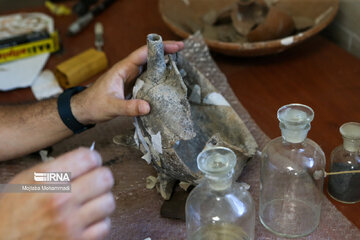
[317,73]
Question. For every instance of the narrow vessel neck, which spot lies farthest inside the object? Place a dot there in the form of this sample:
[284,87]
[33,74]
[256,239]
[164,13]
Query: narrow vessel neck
[155,61]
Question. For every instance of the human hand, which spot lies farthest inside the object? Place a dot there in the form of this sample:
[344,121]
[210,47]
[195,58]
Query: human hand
[81,214]
[105,99]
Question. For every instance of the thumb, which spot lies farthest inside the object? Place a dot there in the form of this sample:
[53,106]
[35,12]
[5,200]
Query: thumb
[134,107]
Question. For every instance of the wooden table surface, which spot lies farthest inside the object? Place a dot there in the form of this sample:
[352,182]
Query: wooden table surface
[316,73]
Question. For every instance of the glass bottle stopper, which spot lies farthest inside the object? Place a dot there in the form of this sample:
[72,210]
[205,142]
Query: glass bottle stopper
[295,122]
[217,163]
[351,134]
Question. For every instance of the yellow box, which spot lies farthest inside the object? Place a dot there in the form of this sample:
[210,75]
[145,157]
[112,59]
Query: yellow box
[80,68]
[30,49]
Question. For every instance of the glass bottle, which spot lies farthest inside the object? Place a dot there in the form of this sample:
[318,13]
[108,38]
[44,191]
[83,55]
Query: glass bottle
[219,208]
[346,157]
[290,196]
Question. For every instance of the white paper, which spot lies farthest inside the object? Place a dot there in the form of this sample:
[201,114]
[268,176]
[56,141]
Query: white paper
[195,95]
[215,98]
[140,136]
[136,139]
[147,157]
[46,86]
[156,142]
[44,156]
[138,85]
[21,73]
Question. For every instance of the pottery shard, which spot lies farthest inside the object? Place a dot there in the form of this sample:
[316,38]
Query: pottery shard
[278,24]
[246,17]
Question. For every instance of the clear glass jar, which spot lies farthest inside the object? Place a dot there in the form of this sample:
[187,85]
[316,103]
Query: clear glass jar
[290,196]
[346,157]
[218,208]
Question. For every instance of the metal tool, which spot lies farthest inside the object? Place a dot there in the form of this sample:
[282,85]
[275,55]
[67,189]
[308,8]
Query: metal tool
[92,147]
[83,21]
[99,32]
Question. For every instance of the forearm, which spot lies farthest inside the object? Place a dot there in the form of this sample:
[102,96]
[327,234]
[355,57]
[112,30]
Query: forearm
[29,127]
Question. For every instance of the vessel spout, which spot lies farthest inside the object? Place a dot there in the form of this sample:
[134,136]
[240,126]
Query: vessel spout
[155,60]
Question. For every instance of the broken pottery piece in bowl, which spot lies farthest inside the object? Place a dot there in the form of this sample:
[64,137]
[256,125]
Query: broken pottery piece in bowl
[249,27]
[187,115]
[278,24]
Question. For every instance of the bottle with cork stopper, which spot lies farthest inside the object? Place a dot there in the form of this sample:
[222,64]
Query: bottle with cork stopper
[290,195]
[344,181]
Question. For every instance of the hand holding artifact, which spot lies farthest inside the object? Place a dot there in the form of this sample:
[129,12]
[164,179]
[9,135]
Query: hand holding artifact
[105,99]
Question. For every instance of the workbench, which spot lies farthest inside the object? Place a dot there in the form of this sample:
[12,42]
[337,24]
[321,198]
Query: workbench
[316,73]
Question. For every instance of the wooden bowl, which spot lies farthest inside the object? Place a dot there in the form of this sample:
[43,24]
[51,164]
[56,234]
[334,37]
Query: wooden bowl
[179,15]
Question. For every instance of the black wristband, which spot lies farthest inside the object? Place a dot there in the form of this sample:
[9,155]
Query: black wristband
[65,112]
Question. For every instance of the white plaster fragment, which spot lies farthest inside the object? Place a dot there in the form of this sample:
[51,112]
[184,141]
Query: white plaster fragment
[173,64]
[195,95]
[147,157]
[136,139]
[92,147]
[215,98]
[138,85]
[156,142]
[147,141]
[185,185]
[140,136]
[151,182]
[287,41]
[44,156]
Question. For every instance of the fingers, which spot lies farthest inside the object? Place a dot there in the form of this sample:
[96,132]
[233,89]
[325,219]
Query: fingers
[98,230]
[77,162]
[139,56]
[97,209]
[113,84]
[173,47]
[134,107]
[100,180]
[130,67]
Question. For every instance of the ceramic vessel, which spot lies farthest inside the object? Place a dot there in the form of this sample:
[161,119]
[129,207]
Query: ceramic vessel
[187,114]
